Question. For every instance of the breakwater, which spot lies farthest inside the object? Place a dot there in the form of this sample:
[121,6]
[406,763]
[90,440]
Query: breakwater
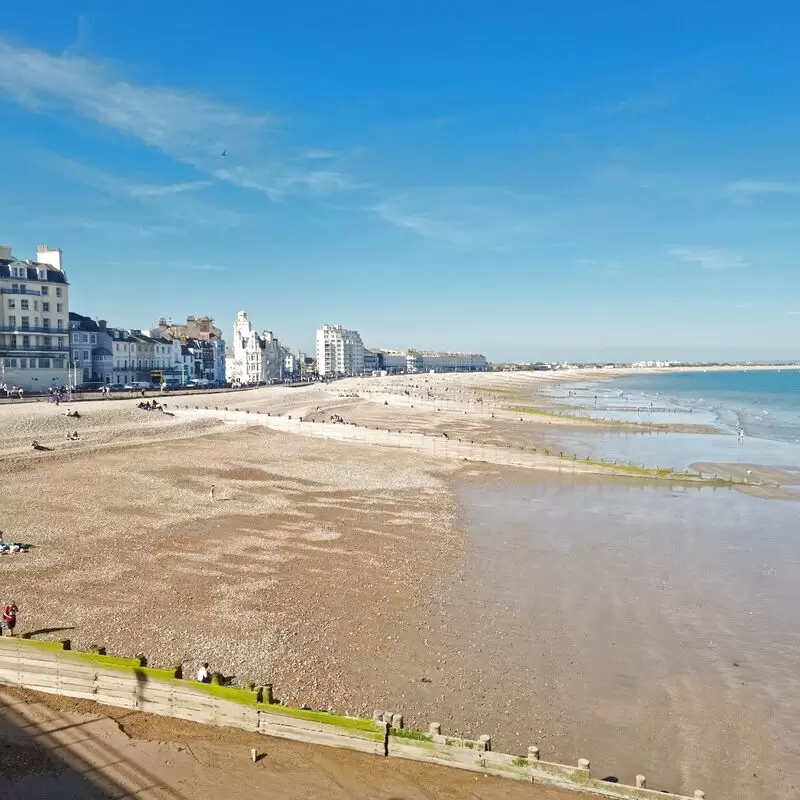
[53,667]
[441,446]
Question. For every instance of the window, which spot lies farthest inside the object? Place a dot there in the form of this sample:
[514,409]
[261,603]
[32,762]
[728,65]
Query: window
[60,342]
[26,322]
[23,304]
[12,321]
[58,291]
[9,362]
[85,355]
[12,303]
[59,307]
[46,323]
[26,342]
[76,337]
[41,273]
[18,272]
[44,363]
[58,363]
[60,324]
[84,337]
[23,363]
[35,305]
[45,306]
[44,291]
[93,338]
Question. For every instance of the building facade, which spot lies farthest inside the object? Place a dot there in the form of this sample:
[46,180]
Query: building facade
[34,320]
[203,347]
[146,357]
[200,328]
[429,361]
[204,359]
[256,357]
[91,350]
[340,352]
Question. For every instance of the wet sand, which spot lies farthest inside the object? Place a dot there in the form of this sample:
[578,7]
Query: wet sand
[651,626]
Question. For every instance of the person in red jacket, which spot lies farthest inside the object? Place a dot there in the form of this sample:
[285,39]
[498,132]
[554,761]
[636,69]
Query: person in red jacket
[10,616]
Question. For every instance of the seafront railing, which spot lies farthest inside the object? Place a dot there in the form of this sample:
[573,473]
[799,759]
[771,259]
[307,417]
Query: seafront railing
[54,668]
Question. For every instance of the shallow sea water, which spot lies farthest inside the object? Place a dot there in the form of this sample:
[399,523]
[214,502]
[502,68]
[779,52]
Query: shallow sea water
[659,624]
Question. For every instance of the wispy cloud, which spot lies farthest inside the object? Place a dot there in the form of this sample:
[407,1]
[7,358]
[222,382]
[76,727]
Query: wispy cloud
[660,92]
[189,127]
[714,258]
[114,227]
[464,217]
[173,200]
[159,190]
[751,188]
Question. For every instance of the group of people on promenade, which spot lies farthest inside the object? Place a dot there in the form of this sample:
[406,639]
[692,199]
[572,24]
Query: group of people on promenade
[12,391]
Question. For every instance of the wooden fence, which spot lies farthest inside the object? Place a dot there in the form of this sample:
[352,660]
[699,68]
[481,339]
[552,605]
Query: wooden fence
[127,683]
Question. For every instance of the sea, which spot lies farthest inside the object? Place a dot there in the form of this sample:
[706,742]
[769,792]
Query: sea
[756,414]
[650,625]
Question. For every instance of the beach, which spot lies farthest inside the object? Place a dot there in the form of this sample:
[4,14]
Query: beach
[639,623]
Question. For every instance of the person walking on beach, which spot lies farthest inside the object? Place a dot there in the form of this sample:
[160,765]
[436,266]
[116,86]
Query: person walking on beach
[211,492]
[10,612]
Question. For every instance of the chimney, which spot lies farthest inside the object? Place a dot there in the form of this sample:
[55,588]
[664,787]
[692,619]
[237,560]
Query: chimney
[51,256]
[5,252]
[101,325]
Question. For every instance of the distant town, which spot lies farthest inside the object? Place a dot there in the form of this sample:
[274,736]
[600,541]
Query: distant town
[43,344]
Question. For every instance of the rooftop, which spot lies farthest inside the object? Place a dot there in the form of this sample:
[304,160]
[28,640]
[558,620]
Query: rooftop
[32,271]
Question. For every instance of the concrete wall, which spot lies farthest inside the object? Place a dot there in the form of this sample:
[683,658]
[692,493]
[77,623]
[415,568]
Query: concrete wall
[125,682]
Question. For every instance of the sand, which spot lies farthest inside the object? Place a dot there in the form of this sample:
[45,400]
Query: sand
[341,573]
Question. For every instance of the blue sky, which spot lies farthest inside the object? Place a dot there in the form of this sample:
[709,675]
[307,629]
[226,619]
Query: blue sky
[530,180]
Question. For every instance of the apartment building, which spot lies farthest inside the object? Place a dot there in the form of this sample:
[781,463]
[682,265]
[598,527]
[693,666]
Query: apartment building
[145,357]
[203,347]
[340,351]
[256,357]
[204,359]
[91,350]
[427,361]
[34,317]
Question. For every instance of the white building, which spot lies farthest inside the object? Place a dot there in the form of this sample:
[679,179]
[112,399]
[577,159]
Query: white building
[34,320]
[429,361]
[145,357]
[255,357]
[339,351]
